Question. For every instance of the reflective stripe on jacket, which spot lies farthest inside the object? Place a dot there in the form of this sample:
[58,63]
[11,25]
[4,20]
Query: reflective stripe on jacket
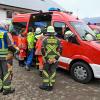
[3,44]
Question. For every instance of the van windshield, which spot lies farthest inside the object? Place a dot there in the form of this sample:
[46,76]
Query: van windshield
[84,31]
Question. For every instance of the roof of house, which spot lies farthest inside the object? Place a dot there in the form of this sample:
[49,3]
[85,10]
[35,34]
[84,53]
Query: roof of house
[31,4]
[92,20]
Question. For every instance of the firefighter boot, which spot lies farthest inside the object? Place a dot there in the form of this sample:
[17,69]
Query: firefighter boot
[21,63]
[1,90]
[43,87]
[5,92]
[27,68]
[47,88]
[40,73]
[50,88]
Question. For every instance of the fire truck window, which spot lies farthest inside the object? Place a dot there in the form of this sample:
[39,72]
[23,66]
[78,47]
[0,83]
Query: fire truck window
[18,26]
[59,28]
[9,14]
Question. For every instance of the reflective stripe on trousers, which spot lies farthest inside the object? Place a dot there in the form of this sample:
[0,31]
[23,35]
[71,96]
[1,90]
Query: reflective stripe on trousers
[1,83]
[49,80]
[49,74]
[7,85]
[5,74]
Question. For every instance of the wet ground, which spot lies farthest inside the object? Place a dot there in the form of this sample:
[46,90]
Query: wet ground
[26,84]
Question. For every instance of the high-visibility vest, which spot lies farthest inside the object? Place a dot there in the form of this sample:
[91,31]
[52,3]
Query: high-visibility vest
[30,39]
[3,44]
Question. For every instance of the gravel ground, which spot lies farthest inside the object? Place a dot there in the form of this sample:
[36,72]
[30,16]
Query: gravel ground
[26,85]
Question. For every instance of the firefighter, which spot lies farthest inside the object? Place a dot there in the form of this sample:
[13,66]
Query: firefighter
[22,44]
[39,54]
[38,34]
[51,52]
[6,56]
[30,41]
[67,34]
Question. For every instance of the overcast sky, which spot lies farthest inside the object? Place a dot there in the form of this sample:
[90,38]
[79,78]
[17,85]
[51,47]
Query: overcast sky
[82,8]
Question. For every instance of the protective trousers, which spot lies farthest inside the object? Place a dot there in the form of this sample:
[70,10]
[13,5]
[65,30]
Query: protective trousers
[30,58]
[40,59]
[49,74]
[37,61]
[5,74]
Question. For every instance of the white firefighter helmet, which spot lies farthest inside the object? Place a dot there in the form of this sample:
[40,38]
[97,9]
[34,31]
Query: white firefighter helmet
[38,30]
[89,37]
[5,24]
[68,33]
[50,29]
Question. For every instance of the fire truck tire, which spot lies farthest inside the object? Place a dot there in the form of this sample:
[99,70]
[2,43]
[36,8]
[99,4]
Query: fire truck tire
[81,72]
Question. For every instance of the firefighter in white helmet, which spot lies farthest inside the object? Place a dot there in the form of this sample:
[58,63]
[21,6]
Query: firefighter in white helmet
[67,34]
[38,34]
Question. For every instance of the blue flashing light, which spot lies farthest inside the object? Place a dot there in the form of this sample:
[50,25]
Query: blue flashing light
[53,9]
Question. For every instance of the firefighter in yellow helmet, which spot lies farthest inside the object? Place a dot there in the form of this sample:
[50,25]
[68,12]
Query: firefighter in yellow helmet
[7,48]
[51,50]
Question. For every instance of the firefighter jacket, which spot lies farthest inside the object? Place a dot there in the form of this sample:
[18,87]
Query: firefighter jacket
[51,48]
[37,36]
[6,44]
[22,44]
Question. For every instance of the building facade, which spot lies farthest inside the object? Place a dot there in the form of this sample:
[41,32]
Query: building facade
[94,20]
[8,8]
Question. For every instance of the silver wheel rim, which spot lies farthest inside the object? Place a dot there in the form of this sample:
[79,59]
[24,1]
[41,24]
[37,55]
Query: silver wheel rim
[80,73]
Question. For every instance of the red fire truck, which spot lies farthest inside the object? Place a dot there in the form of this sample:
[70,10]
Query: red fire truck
[81,50]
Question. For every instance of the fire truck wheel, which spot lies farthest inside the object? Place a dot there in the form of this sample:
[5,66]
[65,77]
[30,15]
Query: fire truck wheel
[81,72]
